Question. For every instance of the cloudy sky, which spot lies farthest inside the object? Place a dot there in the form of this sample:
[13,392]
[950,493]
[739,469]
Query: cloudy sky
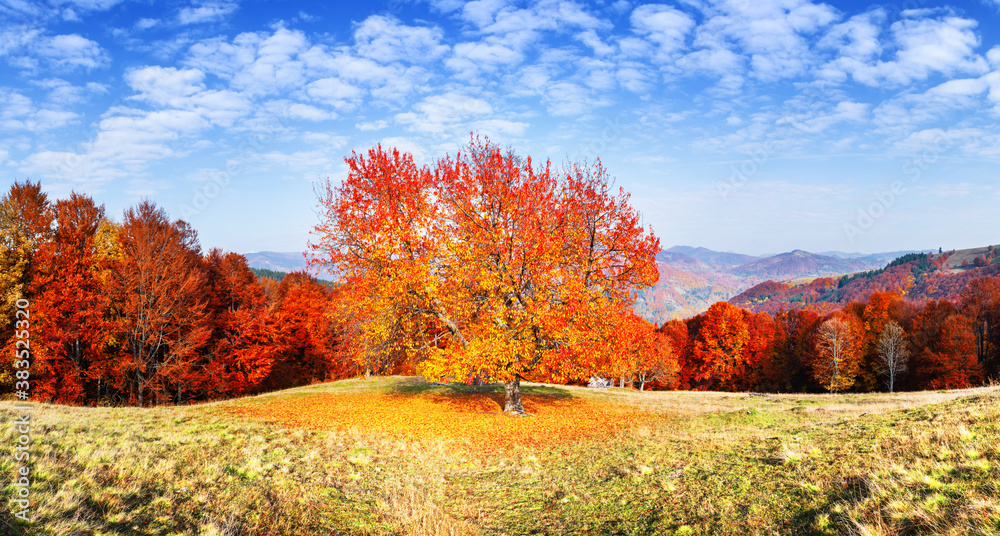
[745,125]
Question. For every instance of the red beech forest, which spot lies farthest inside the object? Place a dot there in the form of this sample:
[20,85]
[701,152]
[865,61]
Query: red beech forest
[483,267]
[133,312]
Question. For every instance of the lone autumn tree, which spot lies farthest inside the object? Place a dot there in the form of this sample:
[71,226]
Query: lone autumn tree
[892,352]
[485,263]
[836,365]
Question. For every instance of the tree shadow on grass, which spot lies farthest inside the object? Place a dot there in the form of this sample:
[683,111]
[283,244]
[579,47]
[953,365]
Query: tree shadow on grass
[460,392]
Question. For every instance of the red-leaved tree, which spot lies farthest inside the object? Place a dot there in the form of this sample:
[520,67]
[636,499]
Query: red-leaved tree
[71,304]
[160,306]
[485,264]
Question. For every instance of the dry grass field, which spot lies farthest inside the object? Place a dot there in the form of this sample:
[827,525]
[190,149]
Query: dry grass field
[399,456]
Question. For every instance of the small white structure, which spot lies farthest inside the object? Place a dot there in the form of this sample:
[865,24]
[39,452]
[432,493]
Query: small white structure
[596,382]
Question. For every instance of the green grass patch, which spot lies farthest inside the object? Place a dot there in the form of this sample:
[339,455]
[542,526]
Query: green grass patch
[709,463]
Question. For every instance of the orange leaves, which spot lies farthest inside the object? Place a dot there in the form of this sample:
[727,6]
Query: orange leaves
[718,345]
[485,262]
[70,303]
[463,420]
[837,353]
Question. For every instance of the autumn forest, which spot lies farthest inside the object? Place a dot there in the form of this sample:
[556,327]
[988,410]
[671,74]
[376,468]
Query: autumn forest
[485,267]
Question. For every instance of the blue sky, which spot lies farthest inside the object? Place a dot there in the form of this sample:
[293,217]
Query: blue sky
[745,125]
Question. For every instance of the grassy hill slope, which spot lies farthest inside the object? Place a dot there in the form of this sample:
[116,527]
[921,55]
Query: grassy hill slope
[440,459]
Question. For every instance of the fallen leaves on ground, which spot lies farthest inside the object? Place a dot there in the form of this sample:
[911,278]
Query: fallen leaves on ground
[472,420]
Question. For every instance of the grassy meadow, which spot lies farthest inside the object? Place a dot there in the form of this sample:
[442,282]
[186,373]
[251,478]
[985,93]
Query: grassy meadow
[400,456]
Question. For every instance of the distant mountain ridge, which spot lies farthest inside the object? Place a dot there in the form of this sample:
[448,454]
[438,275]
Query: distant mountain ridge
[799,263]
[920,276]
[693,278]
[283,261]
[710,257]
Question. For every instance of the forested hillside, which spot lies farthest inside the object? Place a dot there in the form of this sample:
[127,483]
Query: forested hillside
[692,279]
[918,277]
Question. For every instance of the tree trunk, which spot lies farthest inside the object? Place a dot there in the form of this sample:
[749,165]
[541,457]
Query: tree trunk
[512,396]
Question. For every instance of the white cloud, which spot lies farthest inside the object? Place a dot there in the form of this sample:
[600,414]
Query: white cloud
[372,125]
[206,12]
[718,61]
[385,40]
[567,98]
[993,81]
[922,47]
[312,163]
[70,15]
[276,66]
[773,35]
[554,15]
[325,138]
[909,109]
[442,114]
[936,141]
[633,78]
[470,58]
[389,84]
[510,33]
[482,12]
[857,37]
[334,92]
[20,8]
[18,112]
[944,46]
[165,85]
[634,47]
[297,110]
[185,89]
[495,128]
[845,111]
[286,63]
[71,51]
[664,25]
[994,56]
[15,38]
[446,6]
[145,24]
[598,76]
[592,40]
[128,142]
[422,150]
[62,93]
[92,5]
[222,58]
